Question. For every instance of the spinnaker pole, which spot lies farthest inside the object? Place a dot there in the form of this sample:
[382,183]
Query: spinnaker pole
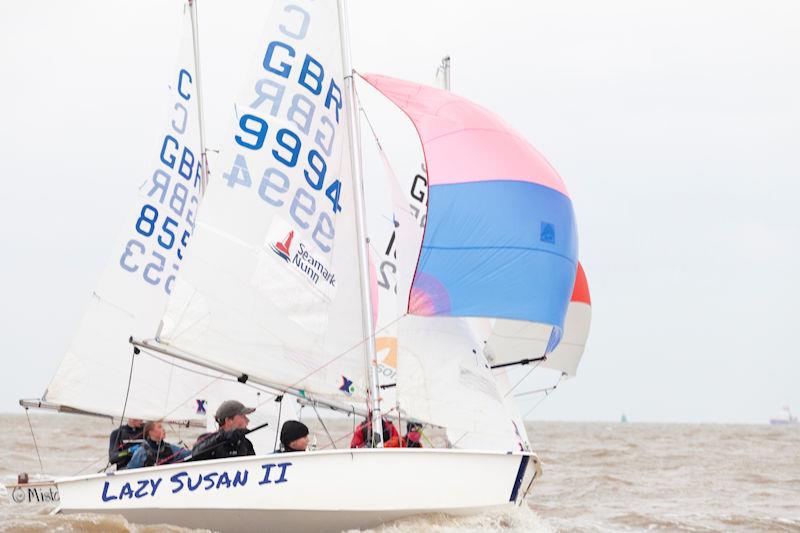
[198,85]
[371,360]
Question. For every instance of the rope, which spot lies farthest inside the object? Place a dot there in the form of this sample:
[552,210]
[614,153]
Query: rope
[35,446]
[546,394]
[205,374]
[534,367]
[324,426]
[127,394]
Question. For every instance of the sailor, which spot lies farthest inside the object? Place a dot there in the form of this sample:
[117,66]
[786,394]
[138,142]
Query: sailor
[294,437]
[155,450]
[362,436]
[229,440]
[413,435]
[121,440]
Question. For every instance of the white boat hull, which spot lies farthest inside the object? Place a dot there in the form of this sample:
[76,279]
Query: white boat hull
[308,491]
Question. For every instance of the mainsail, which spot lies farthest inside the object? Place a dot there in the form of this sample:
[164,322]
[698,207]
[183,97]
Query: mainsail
[130,297]
[271,290]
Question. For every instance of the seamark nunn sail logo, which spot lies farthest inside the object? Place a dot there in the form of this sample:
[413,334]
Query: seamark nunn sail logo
[301,256]
[284,249]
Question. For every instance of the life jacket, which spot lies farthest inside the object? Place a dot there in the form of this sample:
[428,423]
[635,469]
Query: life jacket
[366,430]
[123,443]
[157,453]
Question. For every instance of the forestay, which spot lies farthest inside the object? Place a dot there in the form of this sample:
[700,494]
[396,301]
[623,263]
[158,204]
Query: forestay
[271,289]
[132,293]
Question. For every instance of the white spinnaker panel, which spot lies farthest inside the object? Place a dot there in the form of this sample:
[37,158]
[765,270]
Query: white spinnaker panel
[567,356]
[271,288]
[133,290]
[514,340]
[444,379]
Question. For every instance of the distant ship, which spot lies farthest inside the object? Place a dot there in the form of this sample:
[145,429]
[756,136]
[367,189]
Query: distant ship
[788,420]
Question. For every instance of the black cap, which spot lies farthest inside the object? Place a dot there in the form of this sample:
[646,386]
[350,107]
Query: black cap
[291,431]
[229,409]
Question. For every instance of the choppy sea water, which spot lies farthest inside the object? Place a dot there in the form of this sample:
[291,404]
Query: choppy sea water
[598,477]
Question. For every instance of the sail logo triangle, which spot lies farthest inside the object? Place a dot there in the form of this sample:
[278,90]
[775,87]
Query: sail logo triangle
[284,248]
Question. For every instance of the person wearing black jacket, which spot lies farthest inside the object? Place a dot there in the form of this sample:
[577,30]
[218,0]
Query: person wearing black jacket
[229,440]
[294,437]
[122,439]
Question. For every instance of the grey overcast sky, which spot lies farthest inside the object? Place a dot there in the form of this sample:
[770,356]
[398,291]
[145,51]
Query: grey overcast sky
[675,125]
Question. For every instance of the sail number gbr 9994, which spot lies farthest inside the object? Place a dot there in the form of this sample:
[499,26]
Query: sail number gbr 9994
[285,139]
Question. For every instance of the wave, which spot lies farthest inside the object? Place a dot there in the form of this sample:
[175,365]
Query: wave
[514,520]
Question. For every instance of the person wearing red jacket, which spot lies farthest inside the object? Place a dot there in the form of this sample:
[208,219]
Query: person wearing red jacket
[363,435]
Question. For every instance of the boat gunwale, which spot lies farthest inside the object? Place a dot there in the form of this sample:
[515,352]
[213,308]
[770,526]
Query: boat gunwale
[315,453]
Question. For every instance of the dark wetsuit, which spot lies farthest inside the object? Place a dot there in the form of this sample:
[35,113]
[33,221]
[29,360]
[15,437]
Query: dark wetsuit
[221,444]
[152,453]
[119,444]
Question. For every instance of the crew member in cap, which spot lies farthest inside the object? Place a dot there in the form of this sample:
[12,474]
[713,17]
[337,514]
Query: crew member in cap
[294,437]
[230,440]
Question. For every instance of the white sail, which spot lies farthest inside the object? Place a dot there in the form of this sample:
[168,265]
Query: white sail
[444,379]
[130,297]
[271,288]
[396,188]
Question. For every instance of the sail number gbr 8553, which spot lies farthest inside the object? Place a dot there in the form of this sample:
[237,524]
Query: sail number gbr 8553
[288,133]
[165,218]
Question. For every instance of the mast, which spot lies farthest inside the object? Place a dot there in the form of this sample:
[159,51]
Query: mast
[444,68]
[196,50]
[371,362]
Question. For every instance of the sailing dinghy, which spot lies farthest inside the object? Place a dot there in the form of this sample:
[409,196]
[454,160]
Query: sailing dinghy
[275,292]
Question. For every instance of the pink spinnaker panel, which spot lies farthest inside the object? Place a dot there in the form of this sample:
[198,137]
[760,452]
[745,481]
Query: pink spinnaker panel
[462,141]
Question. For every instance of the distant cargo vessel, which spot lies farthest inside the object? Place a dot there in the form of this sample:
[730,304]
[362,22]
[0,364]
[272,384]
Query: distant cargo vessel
[788,420]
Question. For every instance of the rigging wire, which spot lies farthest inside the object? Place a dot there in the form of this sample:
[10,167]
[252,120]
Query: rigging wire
[322,422]
[215,378]
[35,446]
[517,384]
[546,395]
[127,395]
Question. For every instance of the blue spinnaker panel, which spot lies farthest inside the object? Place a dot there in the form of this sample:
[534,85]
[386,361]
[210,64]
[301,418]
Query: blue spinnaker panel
[504,249]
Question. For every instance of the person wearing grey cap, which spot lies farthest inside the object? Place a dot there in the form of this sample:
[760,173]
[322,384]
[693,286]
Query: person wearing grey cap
[229,440]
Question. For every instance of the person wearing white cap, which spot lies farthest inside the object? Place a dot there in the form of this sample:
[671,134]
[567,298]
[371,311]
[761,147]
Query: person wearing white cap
[229,440]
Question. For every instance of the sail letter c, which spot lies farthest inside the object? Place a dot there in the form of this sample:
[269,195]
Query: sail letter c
[182,75]
[301,33]
[286,68]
